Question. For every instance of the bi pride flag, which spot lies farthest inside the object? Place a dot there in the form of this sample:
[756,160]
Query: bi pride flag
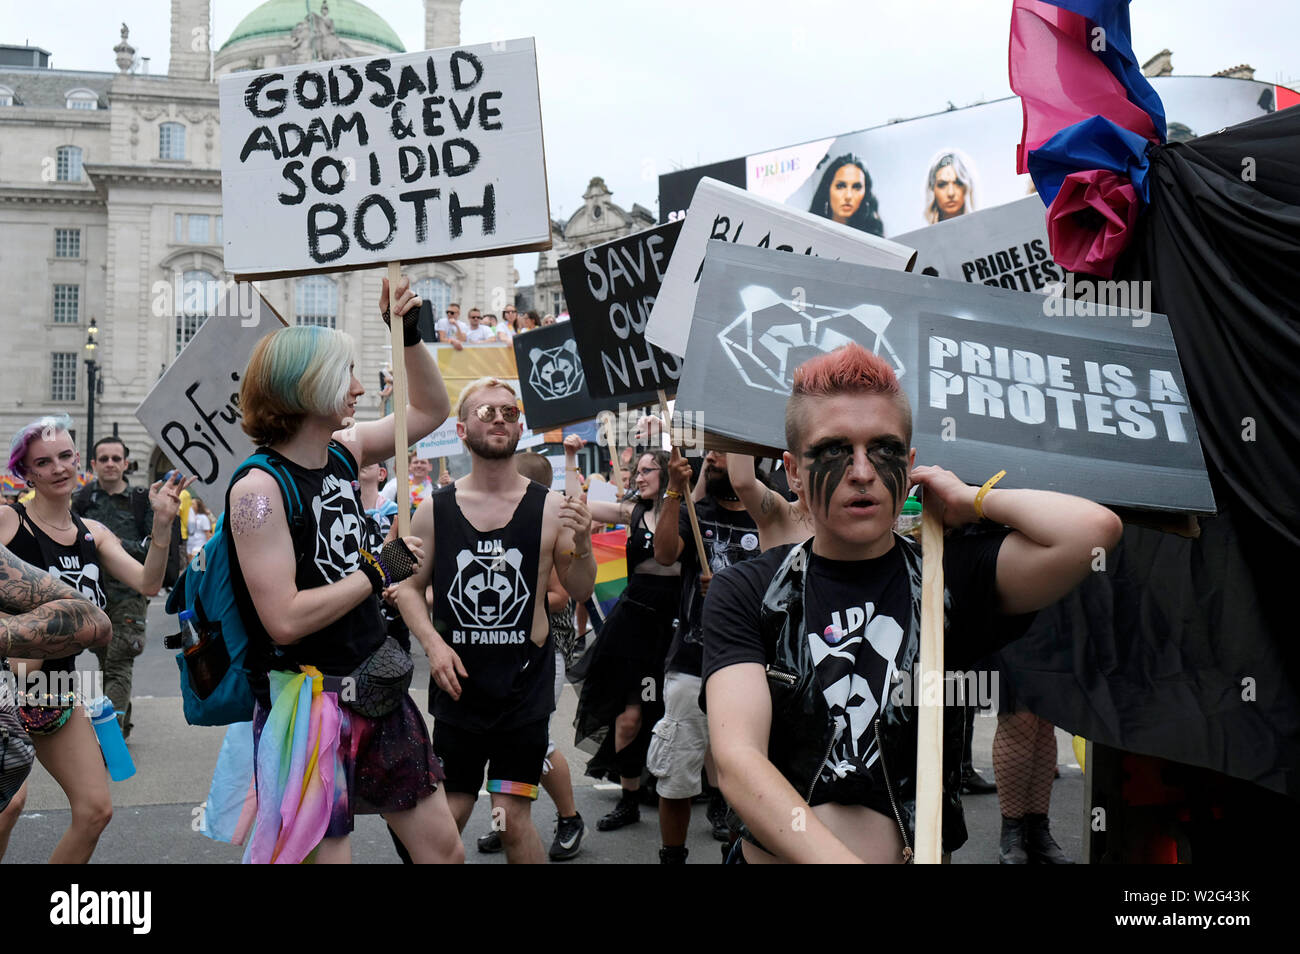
[1090,118]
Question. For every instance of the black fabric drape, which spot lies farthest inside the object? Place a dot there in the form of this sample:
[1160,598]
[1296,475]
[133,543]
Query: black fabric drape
[1187,649]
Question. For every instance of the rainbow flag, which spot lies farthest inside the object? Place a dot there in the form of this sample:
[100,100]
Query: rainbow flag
[611,567]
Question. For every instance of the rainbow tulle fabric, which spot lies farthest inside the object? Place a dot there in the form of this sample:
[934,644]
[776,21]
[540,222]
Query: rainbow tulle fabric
[298,771]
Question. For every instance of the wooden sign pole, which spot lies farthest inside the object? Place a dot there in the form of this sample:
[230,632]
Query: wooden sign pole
[927,679]
[442,466]
[399,403]
[616,471]
[690,511]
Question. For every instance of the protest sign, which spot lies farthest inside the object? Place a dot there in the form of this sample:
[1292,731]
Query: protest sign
[1091,402]
[731,215]
[1004,246]
[553,384]
[349,163]
[610,290]
[192,412]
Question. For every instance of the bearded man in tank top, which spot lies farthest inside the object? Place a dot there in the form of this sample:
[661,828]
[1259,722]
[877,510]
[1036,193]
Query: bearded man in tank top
[494,536]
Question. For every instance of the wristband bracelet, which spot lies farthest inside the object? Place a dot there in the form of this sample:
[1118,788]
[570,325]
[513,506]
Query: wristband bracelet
[375,572]
[579,556]
[674,494]
[979,494]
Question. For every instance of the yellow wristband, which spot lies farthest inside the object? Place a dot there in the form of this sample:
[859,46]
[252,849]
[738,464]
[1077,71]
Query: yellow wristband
[674,494]
[979,494]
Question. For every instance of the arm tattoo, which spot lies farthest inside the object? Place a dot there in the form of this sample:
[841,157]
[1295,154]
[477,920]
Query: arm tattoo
[251,511]
[765,505]
[23,587]
[50,619]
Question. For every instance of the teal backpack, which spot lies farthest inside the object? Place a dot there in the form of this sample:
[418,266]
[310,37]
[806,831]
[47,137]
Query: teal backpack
[205,587]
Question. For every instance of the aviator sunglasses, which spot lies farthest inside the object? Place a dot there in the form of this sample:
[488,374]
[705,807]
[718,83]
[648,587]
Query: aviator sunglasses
[488,412]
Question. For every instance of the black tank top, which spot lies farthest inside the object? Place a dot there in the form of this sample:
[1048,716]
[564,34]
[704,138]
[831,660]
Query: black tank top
[484,595]
[326,545]
[640,541]
[75,564]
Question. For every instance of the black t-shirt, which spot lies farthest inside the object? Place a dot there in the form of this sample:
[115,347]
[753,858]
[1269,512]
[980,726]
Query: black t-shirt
[327,547]
[730,536]
[855,618]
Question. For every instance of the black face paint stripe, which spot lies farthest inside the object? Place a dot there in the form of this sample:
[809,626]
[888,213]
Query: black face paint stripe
[889,459]
[825,474]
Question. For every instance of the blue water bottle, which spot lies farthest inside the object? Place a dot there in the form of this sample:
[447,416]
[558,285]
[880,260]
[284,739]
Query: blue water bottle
[111,743]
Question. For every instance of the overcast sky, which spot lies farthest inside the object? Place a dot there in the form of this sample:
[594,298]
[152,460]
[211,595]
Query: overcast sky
[634,88]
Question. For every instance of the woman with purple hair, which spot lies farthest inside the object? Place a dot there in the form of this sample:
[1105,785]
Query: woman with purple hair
[46,533]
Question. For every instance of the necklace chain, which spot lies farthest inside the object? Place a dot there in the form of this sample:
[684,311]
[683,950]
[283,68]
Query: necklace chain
[48,523]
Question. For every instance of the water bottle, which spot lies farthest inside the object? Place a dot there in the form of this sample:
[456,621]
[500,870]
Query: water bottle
[206,657]
[909,521]
[111,743]
[190,637]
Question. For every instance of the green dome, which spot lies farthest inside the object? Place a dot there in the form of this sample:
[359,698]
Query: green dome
[352,21]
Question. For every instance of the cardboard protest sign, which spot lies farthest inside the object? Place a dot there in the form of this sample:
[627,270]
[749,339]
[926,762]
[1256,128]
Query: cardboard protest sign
[723,212]
[192,412]
[553,384]
[610,290]
[1004,246]
[1092,402]
[348,163]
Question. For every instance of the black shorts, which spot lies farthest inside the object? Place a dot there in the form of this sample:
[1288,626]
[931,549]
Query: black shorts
[513,758]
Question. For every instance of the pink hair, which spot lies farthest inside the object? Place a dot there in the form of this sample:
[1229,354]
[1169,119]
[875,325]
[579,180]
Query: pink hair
[850,369]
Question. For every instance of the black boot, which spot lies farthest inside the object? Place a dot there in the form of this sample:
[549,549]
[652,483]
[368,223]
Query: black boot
[1012,850]
[1042,847]
[673,854]
[625,812]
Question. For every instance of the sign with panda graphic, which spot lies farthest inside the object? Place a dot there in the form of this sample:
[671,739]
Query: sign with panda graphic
[1091,402]
[489,594]
[553,384]
[339,523]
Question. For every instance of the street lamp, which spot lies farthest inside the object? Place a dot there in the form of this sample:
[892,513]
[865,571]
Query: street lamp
[93,383]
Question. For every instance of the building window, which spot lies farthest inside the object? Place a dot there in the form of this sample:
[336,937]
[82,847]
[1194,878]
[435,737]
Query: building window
[316,301]
[178,233]
[196,299]
[6,96]
[82,99]
[436,292]
[199,229]
[63,376]
[67,164]
[218,240]
[67,243]
[67,304]
[171,141]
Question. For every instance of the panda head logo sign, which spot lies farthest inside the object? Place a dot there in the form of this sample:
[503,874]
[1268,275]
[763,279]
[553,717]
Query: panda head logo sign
[556,372]
[774,335]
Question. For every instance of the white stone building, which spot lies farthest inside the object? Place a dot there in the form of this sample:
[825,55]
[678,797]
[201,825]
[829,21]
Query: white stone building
[598,220]
[110,186]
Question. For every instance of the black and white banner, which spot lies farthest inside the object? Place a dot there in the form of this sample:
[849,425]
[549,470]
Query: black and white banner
[553,384]
[1090,402]
[610,290]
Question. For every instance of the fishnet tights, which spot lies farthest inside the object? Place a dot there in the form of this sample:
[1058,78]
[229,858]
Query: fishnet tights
[1024,763]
